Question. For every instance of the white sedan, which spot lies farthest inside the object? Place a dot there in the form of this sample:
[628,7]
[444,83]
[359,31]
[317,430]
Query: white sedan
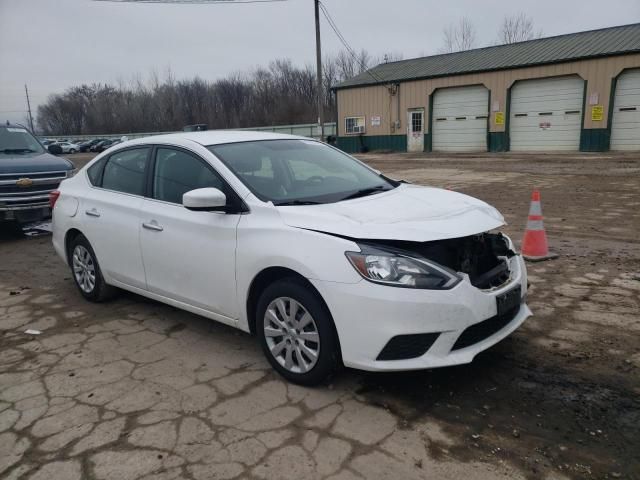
[325,260]
[68,147]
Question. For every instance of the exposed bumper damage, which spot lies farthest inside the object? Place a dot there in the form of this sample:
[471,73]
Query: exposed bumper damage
[407,328]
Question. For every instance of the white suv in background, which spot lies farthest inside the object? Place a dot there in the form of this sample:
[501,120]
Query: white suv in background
[327,261]
[68,147]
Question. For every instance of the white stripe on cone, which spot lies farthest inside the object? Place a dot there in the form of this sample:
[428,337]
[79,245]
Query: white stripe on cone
[535,209]
[535,225]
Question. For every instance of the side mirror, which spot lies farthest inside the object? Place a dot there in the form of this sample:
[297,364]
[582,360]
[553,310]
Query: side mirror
[205,200]
[55,149]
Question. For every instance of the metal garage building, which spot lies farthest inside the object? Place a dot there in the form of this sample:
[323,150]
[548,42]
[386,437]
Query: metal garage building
[570,92]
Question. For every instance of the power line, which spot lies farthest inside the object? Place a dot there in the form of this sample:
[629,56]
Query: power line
[346,45]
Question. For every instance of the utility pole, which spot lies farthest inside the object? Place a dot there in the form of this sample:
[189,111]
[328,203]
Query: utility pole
[319,71]
[26,91]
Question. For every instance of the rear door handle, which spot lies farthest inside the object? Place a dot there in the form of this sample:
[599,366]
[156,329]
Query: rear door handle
[153,225]
[92,213]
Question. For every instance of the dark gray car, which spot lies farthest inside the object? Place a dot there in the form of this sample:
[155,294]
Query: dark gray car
[28,173]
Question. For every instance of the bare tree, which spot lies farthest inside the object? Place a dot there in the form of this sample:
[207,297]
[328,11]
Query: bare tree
[517,28]
[459,37]
[277,94]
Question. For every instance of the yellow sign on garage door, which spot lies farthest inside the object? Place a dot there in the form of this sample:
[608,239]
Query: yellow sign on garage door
[597,113]
[499,118]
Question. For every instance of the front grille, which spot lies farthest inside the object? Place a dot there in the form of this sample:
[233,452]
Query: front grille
[480,331]
[402,347]
[33,176]
[15,197]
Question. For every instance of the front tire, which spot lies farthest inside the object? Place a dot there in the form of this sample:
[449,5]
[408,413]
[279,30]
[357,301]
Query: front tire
[296,333]
[86,271]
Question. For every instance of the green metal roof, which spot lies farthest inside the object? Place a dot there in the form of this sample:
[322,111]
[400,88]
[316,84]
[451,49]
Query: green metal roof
[562,48]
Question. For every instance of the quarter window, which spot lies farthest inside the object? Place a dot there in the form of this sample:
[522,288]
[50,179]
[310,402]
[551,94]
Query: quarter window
[354,125]
[124,171]
[95,172]
[178,172]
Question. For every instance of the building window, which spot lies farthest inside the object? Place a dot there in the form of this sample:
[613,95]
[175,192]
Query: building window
[354,125]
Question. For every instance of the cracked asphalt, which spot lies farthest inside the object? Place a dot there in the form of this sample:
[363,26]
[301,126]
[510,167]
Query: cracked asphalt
[133,389]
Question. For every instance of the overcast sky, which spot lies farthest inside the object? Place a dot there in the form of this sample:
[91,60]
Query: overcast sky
[55,44]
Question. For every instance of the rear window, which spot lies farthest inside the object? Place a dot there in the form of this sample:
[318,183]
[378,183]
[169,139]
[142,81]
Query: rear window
[124,171]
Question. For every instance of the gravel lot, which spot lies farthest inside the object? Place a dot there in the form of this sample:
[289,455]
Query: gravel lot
[136,389]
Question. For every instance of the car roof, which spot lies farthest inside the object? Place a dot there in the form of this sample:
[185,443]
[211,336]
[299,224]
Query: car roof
[216,137]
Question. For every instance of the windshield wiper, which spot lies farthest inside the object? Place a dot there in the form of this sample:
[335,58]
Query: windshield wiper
[366,191]
[296,202]
[18,150]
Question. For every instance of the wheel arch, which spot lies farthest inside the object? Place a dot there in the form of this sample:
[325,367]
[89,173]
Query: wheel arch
[69,237]
[272,274]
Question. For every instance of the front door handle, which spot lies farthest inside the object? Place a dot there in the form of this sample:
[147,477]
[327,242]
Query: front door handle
[153,225]
[92,213]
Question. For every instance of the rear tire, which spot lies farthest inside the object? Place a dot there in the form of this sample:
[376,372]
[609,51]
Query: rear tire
[297,333]
[86,272]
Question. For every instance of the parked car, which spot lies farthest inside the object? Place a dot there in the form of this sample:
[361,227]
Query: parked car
[114,143]
[68,147]
[28,173]
[86,145]
[326,260]
[101,146]
[46,143]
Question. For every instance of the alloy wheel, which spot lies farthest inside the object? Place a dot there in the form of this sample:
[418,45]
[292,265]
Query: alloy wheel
[292,335]
[84,269]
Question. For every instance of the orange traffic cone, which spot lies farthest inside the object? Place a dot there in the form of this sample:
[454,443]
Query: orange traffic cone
[534,243]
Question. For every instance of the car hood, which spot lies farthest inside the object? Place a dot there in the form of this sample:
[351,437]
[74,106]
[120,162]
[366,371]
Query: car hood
[33,163]
[408,212]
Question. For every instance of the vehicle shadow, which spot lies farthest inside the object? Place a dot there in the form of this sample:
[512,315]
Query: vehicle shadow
[10,231]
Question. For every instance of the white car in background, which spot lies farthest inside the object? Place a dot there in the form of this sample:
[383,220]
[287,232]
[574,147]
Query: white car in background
[68,147]
[327,261]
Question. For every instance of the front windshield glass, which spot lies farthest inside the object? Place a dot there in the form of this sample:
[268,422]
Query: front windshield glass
[18,140]
[299,172]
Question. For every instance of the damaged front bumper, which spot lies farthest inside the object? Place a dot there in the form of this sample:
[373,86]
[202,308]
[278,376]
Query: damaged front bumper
[382,328]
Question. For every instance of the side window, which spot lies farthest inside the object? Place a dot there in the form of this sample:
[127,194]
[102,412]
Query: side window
[124,171]
[178,172]
[95,172]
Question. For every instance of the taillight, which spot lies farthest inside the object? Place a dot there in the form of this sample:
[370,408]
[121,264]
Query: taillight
[53,198]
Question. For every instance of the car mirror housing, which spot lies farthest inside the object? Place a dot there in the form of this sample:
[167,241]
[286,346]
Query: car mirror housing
[55,149]
[205,199]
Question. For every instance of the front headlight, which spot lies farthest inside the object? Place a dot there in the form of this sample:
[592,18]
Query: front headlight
[399,270]
[71,173]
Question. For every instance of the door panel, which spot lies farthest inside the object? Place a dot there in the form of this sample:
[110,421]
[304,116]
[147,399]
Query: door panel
[111,224]
[190,256]
[459,120]
[546,114]
[625,127]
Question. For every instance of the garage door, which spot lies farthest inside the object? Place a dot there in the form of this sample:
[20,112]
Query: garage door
[546,114]
[459,119]
[625,127]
